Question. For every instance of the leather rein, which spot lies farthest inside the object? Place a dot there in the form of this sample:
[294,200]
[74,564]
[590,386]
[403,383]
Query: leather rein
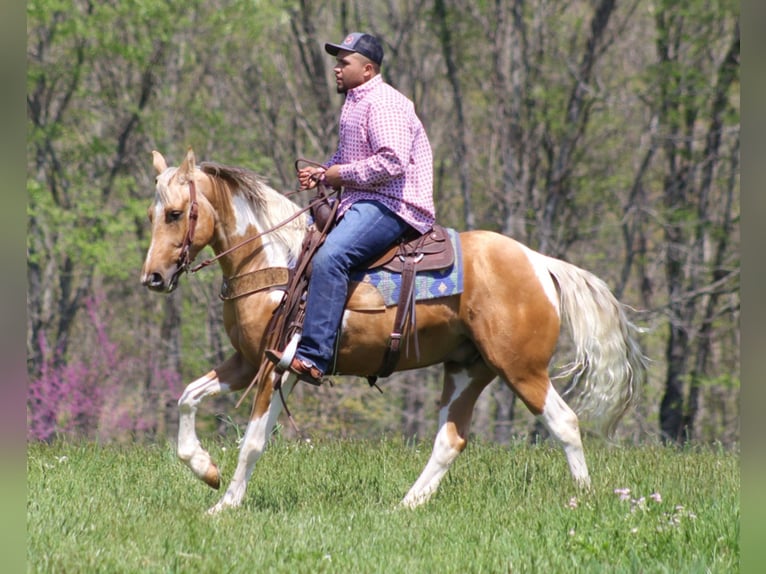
[184,259]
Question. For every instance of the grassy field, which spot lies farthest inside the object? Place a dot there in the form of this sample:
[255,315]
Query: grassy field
[331,507]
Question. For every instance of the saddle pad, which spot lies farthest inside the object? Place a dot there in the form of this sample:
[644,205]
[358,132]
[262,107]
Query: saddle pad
[428,284]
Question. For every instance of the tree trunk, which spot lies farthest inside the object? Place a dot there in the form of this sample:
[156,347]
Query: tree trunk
[461,137]
[689,224]
[558,188]
[505,410]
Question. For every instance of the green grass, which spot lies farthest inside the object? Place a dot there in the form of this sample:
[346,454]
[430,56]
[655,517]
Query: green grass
[331,507]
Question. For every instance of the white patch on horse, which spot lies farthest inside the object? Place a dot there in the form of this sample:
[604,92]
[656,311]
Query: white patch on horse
[541,270]
[461,381]
[163,181]
[189,449]
[245,215]
[247,218]
[562,423]
[276,295]
[159,214]
[443,453]
[251,448]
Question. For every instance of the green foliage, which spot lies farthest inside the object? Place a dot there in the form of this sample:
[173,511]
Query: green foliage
[330,507]
[726,381]
[89,233]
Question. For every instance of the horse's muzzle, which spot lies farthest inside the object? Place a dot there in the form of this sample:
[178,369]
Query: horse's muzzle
[153,281]
[156,282]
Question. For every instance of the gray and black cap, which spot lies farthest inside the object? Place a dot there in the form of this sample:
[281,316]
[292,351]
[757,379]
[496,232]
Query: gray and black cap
[361,43]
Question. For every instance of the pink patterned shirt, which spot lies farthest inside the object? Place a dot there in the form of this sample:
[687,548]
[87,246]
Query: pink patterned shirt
[384,150]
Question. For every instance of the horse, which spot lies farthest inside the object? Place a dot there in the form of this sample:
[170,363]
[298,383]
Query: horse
[505,323]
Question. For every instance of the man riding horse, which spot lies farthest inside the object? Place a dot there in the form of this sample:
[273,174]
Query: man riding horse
[384,163]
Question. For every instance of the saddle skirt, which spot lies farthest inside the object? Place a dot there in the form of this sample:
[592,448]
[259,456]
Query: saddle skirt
[434,251]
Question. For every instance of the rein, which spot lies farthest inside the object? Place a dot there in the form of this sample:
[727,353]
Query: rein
[184,261]
[212,260]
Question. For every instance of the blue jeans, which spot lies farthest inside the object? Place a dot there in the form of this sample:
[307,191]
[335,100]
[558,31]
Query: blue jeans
[364,232]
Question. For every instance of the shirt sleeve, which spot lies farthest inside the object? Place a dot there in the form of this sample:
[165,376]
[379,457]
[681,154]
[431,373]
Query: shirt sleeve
[333,160]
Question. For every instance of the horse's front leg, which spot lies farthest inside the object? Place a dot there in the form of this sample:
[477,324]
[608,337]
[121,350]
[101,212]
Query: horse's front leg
[232,375]
[266,409]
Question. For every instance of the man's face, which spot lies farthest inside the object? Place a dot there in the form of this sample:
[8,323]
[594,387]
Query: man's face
[351,70]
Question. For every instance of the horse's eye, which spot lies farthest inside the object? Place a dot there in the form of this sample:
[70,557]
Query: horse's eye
[172,216]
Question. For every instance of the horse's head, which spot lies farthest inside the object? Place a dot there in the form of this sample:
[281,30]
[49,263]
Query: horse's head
[182,223]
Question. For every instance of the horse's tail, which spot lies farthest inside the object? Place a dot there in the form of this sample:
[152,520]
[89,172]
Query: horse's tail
[609,368]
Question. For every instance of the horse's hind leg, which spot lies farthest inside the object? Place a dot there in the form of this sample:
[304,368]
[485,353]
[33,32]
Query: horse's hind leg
[561,421]
[522,360]
[542,399]
[462,386]
[232,375]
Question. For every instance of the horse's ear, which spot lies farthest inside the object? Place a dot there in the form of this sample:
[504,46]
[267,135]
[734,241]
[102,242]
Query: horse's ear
[187,167]
[160,164]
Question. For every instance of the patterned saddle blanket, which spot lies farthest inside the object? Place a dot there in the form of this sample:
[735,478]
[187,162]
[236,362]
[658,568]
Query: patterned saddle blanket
[375,289]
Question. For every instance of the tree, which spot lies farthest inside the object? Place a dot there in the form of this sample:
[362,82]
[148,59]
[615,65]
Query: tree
[698,191]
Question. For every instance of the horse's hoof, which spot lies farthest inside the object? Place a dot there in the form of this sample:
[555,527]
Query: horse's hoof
[411,503]
[212,477]
[220,506]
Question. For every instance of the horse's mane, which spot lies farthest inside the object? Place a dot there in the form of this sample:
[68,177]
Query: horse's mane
[271,206]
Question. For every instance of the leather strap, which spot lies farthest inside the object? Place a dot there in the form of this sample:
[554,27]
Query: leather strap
[248,283]
[404,310]
[184,259]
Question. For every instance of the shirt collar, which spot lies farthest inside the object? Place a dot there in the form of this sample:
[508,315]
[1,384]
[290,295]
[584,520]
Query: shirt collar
[361,91]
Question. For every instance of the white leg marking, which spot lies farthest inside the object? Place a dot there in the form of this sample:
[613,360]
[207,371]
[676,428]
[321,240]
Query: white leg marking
[252,447]
[561,422]
[442,455]
[189,449]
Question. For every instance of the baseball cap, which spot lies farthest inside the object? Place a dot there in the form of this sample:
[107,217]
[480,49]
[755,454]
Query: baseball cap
[361,43]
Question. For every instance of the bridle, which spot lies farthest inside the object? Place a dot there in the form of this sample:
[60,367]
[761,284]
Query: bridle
[184,258]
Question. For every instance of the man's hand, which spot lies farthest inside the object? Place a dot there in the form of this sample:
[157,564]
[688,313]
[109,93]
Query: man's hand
[310,176]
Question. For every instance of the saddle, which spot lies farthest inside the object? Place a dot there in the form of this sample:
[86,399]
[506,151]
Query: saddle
[431,251]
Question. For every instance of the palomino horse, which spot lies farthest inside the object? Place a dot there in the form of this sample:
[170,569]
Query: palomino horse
[504,324]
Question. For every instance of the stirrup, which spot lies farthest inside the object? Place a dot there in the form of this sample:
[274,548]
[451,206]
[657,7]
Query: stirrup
[289,353]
